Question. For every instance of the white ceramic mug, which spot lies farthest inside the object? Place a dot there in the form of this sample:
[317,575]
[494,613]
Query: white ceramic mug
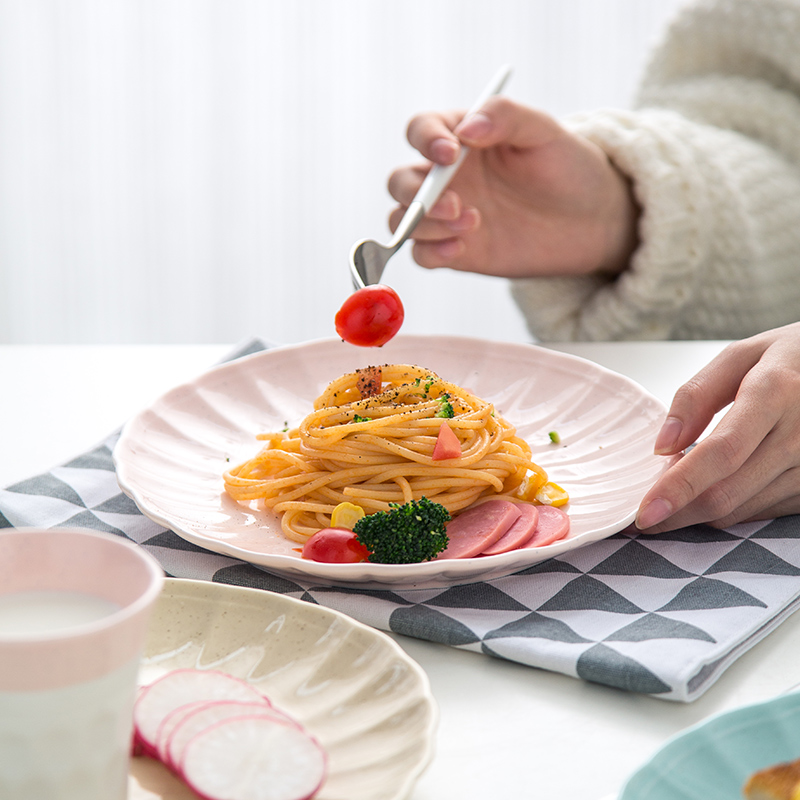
[74,609]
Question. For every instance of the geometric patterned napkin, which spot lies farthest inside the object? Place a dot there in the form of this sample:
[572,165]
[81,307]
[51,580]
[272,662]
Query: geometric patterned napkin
[662,615]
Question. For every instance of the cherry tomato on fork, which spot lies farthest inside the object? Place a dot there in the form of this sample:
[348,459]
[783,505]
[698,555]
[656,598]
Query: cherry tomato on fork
[335,546]
[371,316]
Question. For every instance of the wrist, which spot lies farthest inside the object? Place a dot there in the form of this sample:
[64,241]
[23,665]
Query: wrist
[622,225]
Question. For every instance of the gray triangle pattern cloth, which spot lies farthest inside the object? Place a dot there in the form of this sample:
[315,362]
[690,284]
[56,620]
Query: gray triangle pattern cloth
[662,615]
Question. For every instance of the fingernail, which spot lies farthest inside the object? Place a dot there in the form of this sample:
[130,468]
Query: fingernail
[475,127]
[668,436]
[655,511]
[444,151]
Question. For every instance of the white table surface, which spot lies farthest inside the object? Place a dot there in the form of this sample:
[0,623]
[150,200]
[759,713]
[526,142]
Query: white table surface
[506,730]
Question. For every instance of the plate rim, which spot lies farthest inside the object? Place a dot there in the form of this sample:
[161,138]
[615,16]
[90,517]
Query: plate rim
[367,574]
[720,718]
[185,590]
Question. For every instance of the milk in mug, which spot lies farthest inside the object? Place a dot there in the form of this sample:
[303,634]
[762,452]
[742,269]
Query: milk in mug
[34,613]
[74,610]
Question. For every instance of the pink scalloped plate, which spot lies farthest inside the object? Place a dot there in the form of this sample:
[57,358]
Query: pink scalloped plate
[171,457]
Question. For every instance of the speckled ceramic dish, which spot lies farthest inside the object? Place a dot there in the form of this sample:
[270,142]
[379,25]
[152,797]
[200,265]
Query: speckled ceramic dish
[171,457]
[713,760]
[351,686]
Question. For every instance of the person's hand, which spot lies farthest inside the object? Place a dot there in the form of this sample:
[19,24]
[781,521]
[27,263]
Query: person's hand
[748,468]
[530,199]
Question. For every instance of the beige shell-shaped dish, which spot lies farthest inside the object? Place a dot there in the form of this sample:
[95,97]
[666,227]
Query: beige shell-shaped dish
[351,686]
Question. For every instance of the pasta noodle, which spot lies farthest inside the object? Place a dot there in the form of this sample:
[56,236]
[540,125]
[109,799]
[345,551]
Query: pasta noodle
[377,450]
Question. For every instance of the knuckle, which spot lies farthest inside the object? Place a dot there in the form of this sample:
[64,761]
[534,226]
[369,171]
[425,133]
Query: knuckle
[727,449]
[394,182]
[679,486]
[724,522]
[423,256]
[499,105]
[414,124]
[705,477]
[689,399]
[718,503]
[394,219]
[778,388]
[690,392]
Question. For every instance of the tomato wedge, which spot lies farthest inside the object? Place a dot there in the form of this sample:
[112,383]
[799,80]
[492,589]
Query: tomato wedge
[447,444]
[370,317]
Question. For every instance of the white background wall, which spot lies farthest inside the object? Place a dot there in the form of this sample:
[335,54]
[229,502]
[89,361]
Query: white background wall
[197,170]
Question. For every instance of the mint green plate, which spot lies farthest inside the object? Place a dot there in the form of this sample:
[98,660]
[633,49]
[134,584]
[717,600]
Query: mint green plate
[712,760]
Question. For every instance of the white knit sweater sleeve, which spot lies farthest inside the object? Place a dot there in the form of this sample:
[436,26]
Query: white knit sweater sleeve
[713,152]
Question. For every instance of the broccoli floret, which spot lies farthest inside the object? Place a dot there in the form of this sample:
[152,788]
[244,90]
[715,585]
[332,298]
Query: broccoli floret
[407,534]
[445,407]
[429,381]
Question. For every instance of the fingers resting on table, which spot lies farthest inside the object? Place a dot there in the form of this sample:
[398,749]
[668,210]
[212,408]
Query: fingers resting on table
[748,467]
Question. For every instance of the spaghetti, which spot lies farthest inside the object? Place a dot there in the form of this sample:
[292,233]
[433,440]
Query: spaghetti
[379,449]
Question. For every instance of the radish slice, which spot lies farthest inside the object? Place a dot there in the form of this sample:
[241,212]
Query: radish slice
[253,758]
[177,688]
[169,723]
[137,745]
[204,715]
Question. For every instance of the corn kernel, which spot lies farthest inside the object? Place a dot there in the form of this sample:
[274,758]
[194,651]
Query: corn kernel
[345,515]
[551,494]
[531,485]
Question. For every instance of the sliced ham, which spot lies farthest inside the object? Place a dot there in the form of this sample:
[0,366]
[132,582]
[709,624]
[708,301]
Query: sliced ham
[518,534]
[477,528]
[553,525]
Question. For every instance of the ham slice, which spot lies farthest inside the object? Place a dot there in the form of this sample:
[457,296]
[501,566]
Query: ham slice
[477,528]
[553,525]
[518,534]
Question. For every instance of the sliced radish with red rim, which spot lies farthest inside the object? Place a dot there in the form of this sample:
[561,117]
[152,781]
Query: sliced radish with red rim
[205,715]
[253,758]
[177,688]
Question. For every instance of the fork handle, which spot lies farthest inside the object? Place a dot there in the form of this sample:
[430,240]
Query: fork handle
[437,179]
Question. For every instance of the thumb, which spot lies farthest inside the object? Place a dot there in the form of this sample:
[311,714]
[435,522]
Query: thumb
[502,121]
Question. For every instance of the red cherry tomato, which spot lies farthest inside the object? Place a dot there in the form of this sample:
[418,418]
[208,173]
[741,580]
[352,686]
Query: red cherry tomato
[371,316]
[335,546]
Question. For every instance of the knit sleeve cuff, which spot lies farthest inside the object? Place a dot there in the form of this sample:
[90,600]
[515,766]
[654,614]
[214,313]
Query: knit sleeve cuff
[657,150]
